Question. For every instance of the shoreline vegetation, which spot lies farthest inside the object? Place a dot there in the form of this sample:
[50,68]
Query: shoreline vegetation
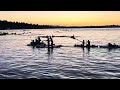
[7,25]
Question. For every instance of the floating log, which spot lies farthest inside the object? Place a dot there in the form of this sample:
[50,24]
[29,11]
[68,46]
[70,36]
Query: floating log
[60,36]
[3,33]
[97,46]
[45,46]
[56,46]
[109,47]
[92,46]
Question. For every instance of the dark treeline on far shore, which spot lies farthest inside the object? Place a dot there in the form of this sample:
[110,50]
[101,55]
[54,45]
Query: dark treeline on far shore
[4,24]
[21,25]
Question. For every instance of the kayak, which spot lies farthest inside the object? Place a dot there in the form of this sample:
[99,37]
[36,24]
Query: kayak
[109,47]
[92,46]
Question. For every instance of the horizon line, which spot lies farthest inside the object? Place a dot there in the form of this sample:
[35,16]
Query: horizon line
[63,25]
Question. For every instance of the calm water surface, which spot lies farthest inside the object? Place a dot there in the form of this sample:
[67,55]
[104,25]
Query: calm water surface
[19,61]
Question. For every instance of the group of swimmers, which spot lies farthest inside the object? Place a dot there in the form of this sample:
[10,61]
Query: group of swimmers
[109,45]
[39,42]
[112,45]
[50,44]
[83,44]
[87,43]
[50,41]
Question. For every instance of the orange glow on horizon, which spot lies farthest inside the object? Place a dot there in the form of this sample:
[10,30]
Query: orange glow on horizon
[66,18]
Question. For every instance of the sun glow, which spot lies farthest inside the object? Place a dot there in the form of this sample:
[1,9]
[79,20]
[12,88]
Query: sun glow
[68,18]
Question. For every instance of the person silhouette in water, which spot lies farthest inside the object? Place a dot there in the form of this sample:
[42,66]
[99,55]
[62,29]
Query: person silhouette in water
[48,41]
[39,39]
[83,43]
[88,43]
[51,41]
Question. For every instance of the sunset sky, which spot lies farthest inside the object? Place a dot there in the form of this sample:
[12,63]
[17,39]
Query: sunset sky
[68,18]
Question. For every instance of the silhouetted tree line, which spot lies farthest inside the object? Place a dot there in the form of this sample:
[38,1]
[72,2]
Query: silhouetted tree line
[105,26]
[21,25]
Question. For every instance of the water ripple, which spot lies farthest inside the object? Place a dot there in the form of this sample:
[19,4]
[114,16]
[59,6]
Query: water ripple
[18,61]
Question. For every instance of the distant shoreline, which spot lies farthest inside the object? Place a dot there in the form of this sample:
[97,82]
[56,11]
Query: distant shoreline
[58,28]
[7,25]
[54,27]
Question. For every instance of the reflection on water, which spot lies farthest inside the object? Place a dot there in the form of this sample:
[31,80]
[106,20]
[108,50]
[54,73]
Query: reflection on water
[50,52]
[17,60]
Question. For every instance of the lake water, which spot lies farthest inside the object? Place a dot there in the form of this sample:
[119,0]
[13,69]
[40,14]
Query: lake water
[19,61]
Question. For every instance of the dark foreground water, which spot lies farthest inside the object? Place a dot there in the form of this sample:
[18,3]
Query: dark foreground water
[18,61]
